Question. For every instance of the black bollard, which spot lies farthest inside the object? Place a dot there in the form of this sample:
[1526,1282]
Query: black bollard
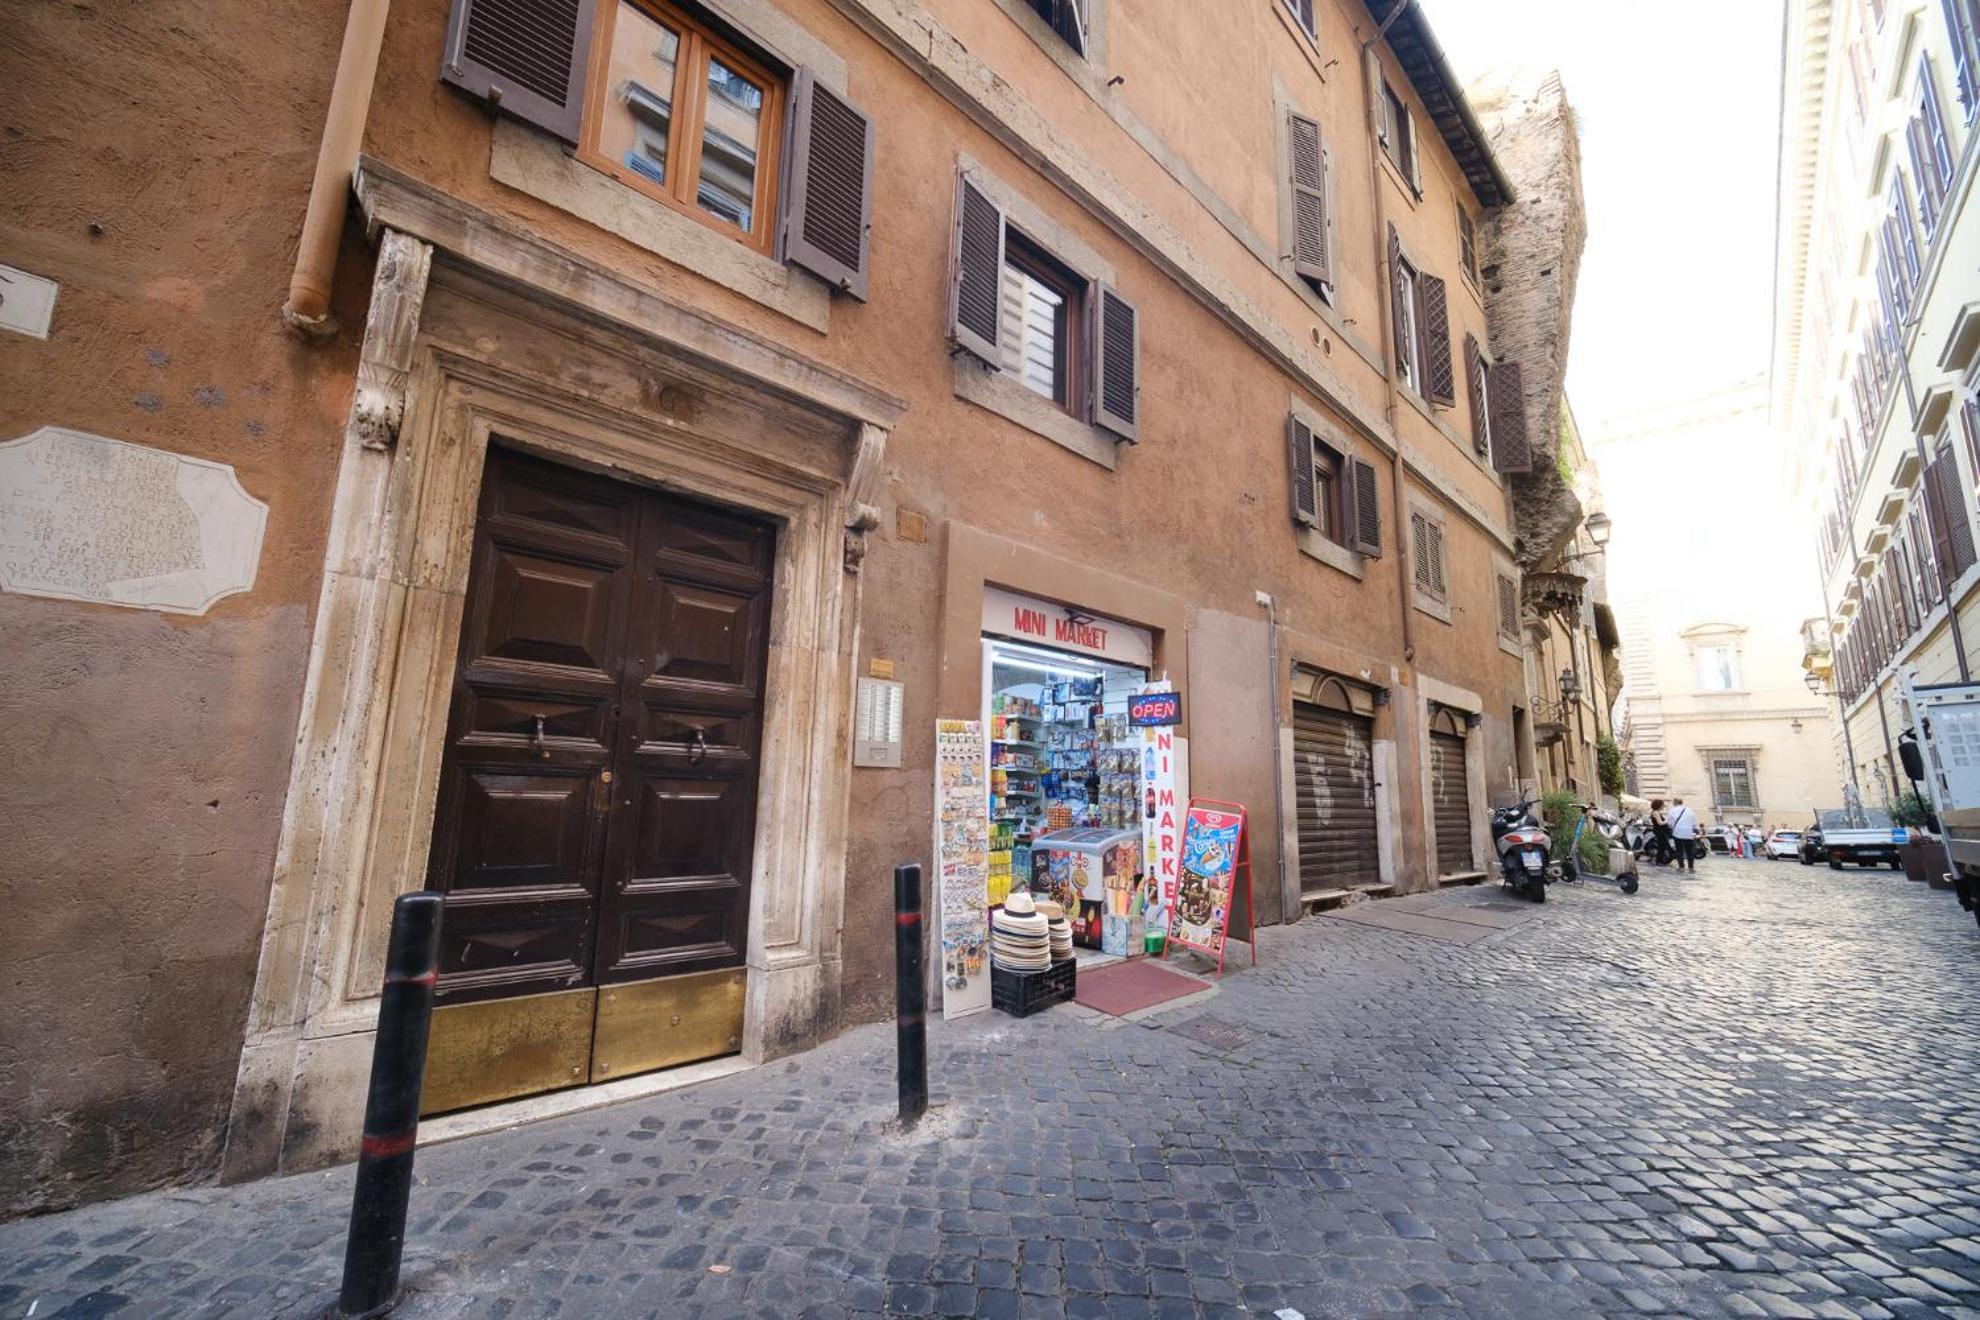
[910,993]
[377,1240]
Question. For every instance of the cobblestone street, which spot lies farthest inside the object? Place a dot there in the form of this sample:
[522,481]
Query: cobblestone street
[1748,1094]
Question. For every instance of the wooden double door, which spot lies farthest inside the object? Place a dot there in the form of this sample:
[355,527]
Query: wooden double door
[597,803]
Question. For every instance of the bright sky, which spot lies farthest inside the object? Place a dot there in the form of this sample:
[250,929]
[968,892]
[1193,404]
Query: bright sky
[1678,113]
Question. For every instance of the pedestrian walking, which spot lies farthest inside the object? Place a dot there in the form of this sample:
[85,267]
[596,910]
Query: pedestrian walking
[1756,843]
[1684,833]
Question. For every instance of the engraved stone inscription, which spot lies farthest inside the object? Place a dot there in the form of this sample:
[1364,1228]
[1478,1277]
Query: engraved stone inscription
[83,517]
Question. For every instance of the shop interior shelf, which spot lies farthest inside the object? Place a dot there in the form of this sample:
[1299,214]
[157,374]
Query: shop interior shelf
[1015,742]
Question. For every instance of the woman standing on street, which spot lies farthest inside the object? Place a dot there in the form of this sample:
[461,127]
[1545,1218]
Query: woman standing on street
[1660,829]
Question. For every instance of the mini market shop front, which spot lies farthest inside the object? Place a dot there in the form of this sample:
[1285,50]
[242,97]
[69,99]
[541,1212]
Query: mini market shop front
[1078,795]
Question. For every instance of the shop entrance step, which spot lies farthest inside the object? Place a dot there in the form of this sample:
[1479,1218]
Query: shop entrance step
[1375,891]
[1460,878]
[1316,899]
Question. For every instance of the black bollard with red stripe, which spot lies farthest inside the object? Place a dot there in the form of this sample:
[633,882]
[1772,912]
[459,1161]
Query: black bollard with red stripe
[910,993]
[377,1240]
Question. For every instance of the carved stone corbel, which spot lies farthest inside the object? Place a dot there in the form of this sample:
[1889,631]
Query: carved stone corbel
[862,488]
[398,291]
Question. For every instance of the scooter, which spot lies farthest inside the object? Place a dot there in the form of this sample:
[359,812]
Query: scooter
[1570,865]
[1522,846]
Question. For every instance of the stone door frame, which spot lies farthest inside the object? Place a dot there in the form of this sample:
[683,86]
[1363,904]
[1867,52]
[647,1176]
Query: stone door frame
[452,357]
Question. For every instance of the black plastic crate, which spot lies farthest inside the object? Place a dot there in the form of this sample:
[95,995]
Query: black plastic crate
[1023,993]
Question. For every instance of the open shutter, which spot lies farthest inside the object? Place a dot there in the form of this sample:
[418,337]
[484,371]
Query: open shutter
[1309,198]
[976,273]
[1474,385]
[1366,496]
[1434,319]
[828,207]
[1116,371]
[1952,526]
[526,57]
[1439,583]
[1508,608]
[1510,451]
[1305,490]
[1397,319]
[1408,130]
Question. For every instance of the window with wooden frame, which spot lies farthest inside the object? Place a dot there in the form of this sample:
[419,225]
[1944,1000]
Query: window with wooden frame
[1420,311]
[1333,492]
[684,116]
[1961,21]
[1409,355]
[1065,17]
[1043,316]
[1397,133]
[1467,247]
[686,112]
[1302,12]
[1508,602]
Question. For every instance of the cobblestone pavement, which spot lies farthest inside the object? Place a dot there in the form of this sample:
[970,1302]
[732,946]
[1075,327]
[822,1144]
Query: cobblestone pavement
[1748,1094]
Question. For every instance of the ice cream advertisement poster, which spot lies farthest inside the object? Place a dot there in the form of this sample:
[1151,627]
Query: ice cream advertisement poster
[1161,823]
[962,860]
[1211,843]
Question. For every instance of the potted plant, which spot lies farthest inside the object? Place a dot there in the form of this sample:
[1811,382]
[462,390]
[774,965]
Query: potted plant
[1920,854]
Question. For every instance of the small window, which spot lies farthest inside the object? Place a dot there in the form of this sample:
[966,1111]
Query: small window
[1718,668]
[1327,490]
[1065,17]
[1041,310]
[1508,590]
[1407,365]
[1426,543]
[1478,374]
[1398,136]
[1467,246]
[1732,783]
[1302,12]
[685,117]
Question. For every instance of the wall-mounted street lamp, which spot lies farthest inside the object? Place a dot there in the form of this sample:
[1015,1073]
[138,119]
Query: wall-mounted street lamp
[1570,684]
[1814,681]
[1598,527]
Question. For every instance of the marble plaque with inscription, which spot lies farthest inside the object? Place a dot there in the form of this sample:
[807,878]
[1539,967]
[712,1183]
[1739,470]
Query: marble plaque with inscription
[83,517]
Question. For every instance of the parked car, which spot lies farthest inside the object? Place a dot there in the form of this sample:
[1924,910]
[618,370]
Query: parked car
[1718,838]
[1864,837]
[1783,843]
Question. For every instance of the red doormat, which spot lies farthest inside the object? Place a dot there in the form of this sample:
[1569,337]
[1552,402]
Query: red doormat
[1122,988]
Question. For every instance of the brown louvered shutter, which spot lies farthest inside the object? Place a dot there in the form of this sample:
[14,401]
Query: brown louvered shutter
[1309,198]
[1510,450]
[1116,371]
[525,57]
[828,208]
[1508,608]
[976,273]
[1397,318]
[1305,490]
[1474,384]
[1952,533]
[1434,323]
[1419,550]
[1437,559]
[1366,496]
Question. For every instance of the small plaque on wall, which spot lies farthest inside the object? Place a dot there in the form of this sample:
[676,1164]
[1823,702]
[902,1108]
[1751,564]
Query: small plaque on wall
[877,724]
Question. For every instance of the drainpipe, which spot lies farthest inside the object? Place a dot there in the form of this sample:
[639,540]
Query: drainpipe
[307,311]
[1390,408]
[1287,909]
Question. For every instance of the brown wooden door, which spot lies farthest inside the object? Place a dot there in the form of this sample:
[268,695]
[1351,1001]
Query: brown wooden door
[597,799]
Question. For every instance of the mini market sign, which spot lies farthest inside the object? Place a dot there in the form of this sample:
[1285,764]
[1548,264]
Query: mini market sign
[1028,619]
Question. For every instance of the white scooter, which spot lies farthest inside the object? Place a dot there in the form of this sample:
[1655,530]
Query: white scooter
[1522,845]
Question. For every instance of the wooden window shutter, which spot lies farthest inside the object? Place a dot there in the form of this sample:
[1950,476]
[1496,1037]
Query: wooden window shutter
[1437,559]
[1116,373]
[1510,450]
[976,273]
[1396,317]
[1419,550]
[1474,384]
[828,207]
[1366,497]
[1309,198]
[1949,510]
[1508,607]
[525,57]
[1434,321]
[1305,489]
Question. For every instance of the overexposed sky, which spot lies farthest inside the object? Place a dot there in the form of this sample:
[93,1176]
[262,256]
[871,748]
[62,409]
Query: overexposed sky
[1678,106]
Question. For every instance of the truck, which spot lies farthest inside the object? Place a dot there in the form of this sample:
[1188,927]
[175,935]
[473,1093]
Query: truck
[1860,836]
[1946,756]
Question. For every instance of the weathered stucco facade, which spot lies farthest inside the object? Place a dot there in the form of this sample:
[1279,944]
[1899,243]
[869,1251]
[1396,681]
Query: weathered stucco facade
[213,812]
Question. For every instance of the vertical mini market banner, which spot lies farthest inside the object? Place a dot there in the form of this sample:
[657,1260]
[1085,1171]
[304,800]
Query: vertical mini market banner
[1161,818]
[962,859]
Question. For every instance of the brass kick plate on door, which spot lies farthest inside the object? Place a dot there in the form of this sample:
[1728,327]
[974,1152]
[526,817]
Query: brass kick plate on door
[644,1025]
[500,1048]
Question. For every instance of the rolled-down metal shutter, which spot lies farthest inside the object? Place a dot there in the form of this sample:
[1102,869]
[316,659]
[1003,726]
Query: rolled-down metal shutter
[1334,775]
[1450,804]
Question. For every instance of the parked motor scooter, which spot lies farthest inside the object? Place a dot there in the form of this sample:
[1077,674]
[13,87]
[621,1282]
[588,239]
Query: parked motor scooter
[1522,845]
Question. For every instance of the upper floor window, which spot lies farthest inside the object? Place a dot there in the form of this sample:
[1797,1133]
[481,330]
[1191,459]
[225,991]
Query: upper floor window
[1042,303]
[1302,12]
[1963,32]
[1408,355]
[685,117]
[1732,782]
[1930,150]
[1398,134]
[1467,246]
[1426,544]
[1065,17]
[1333,493]
[1717,668]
